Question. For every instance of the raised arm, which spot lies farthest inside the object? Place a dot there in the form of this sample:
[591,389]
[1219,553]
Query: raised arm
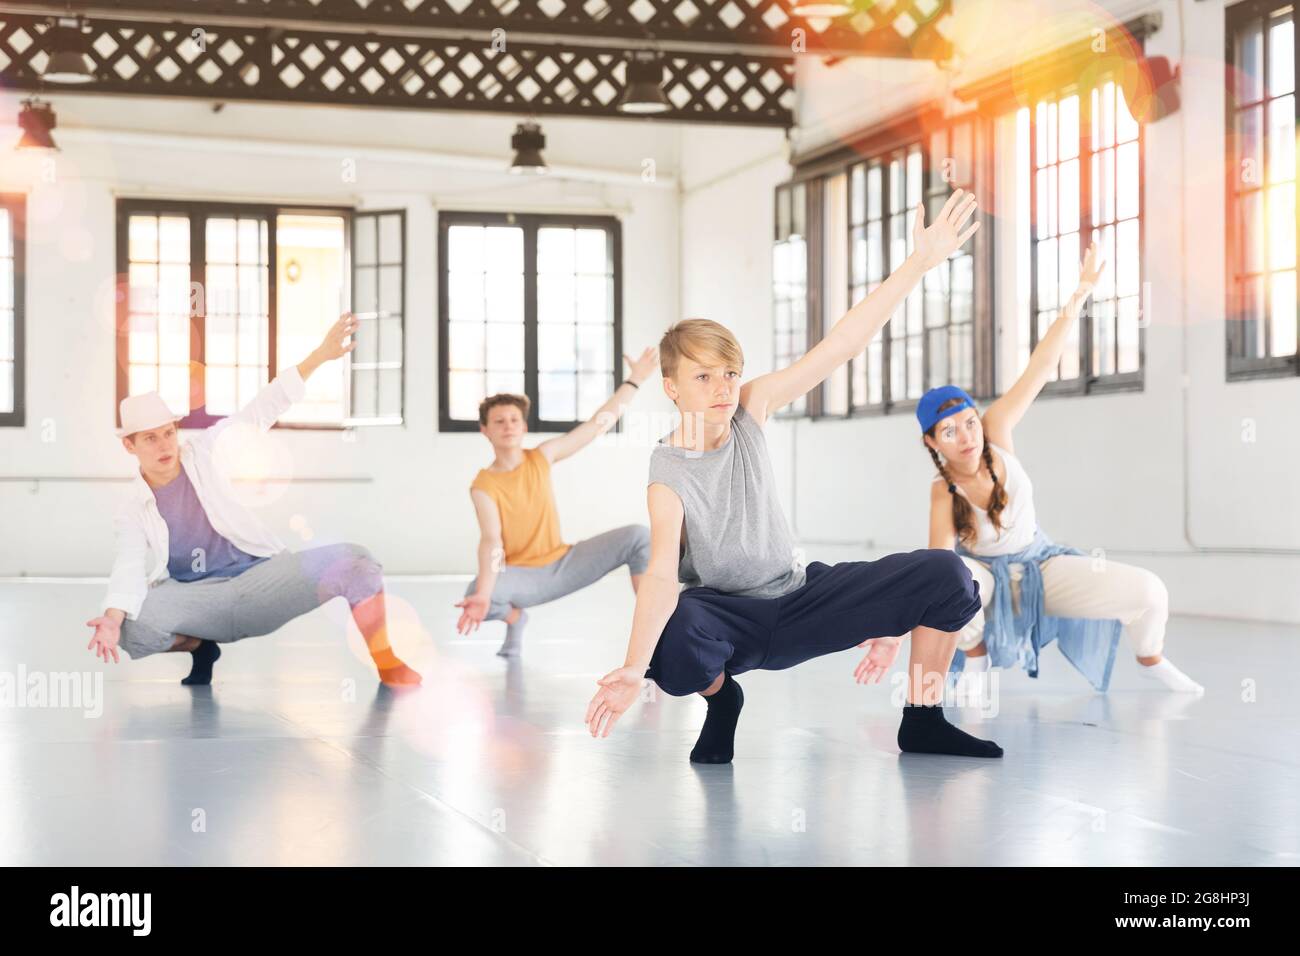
[288,387]
[576,439]
[854,331]
[1004,414]
[656,599]
[490,559]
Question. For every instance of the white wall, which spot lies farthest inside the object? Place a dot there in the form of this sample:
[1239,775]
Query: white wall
[1108,469]
[400,490]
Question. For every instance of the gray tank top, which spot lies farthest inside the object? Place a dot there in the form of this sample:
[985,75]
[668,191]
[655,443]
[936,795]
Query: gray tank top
[735,537]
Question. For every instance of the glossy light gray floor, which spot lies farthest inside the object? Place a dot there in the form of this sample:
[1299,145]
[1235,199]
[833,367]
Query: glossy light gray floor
[294,757]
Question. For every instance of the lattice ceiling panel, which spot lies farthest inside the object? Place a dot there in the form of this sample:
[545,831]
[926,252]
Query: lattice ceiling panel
[724,60]
[336,68]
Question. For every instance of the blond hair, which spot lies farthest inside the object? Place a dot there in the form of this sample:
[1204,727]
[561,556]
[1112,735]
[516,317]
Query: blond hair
[699,340]
[521,402]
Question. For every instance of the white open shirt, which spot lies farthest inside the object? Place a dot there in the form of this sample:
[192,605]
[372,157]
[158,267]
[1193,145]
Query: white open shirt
[142,538]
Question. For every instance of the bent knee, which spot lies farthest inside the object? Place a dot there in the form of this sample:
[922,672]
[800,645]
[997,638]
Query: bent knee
[951,572]
[1152,592]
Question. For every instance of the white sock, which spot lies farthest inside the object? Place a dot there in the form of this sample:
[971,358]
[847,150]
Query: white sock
[980,663]
[1171,677]
[514,636]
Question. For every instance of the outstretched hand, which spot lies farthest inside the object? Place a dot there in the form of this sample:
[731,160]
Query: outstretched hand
[932,244]
[332,346]
[880,657]
[618,691]
[474,611]
[104,641]
[639,369]
[1093,266]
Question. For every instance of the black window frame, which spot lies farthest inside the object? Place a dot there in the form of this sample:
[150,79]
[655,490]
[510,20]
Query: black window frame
[1237,365]
[16,205]
[530,224]
[895,138]
[198,211]
[351,420]
[785,202]
[1086,383]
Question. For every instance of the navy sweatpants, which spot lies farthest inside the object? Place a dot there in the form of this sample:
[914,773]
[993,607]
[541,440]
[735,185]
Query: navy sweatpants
[838,607]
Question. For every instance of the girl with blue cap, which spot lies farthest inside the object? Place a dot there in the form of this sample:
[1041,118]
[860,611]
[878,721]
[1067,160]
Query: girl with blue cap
[982,503]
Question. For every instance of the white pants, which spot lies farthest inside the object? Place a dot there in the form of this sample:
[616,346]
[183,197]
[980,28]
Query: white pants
[1073,587]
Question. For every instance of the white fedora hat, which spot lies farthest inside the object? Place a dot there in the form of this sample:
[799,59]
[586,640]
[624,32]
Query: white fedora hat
[143,412]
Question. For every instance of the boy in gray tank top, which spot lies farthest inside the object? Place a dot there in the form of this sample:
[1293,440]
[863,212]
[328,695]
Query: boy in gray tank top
[724,592]
[731,509]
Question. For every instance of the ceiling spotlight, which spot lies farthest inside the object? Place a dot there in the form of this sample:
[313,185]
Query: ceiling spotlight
[528,143]
[69,54]
[36,120]
[645,91]
[822,8]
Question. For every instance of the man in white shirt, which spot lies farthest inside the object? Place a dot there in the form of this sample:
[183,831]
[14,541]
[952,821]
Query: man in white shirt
[195,567]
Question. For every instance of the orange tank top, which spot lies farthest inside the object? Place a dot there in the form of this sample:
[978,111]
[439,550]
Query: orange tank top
[530,524]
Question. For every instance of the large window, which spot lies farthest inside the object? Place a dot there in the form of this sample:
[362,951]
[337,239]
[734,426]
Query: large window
[529,304]
[1080,151]
[790,282]
[1261,190]
[12,260]
[217,296]
[931,339]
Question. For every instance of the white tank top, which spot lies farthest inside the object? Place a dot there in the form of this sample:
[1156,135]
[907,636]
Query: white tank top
[1017,519]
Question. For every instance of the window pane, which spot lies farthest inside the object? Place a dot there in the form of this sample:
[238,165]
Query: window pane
[1069,184]
[1127,330]
[595,298]
[142,238]
[1250,64]
[558,396]
[1281,139]
[1282,324]
[365,241]
[1127,259]
[174,239]
[505,346]
[465,345]
[390,240]
[1127,177]
[1281,56]
[557,350]
[1068,119]
[504,301]
[595,347]
[593,390]
[310,295]
[465,391]
[556,296]
[1281,226]
[556,251]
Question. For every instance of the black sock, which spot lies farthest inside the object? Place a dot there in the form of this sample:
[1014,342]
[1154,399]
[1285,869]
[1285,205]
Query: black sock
[924,730]
[205,655]
[718,736]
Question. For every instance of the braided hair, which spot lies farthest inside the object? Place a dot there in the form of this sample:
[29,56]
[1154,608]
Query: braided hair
[963,514]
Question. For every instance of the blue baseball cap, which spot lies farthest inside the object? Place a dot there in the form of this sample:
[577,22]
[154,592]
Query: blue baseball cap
[927,409]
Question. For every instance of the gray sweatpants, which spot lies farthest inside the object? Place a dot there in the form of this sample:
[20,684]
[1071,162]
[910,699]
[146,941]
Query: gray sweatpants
[585,563]
[260,601]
